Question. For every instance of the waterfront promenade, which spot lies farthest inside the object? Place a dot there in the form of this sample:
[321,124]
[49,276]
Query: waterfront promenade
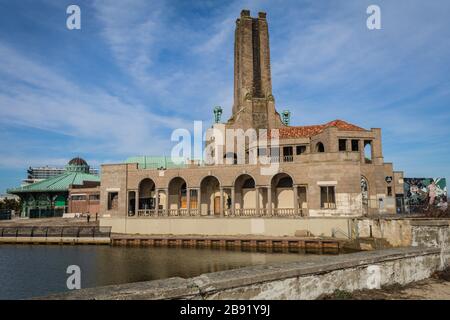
[49,222]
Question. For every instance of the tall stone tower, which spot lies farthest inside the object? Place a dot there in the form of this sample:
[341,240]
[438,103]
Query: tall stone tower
[254,104]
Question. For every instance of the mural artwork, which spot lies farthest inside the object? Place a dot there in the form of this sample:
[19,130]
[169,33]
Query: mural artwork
[423,193]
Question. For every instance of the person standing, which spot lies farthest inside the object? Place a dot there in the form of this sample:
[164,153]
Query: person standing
[431,193]
[88,217]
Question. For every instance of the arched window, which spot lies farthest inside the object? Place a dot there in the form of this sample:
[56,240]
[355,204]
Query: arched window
[368,151]
[146,194]
[285,182]
[177,193]
[320,147]
[249,184]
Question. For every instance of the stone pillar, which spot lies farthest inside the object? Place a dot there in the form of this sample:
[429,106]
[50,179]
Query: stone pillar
[166,191]
[221,202]
[233,205]
[156,201]
[136,202]
[188,200]
[296,200]
[377,153]
[199,197]
[361,151]
[257,200]
[269,200]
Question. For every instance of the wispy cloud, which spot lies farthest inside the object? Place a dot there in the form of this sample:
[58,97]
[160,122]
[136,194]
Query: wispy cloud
[38,97]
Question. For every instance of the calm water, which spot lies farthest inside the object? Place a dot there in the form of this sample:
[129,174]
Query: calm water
[35,270]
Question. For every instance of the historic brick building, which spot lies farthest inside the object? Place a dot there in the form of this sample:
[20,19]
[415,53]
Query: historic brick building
[331,169]
[84,198]
[50,197]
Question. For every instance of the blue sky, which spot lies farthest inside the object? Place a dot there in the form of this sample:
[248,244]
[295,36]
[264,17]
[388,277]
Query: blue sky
[139,69]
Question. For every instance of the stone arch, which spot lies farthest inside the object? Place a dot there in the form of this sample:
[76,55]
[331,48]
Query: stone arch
[209,195]
[241,175]
[283,191]
[368,151]
[177,193]
[244,185]
[146,194]
[320,147]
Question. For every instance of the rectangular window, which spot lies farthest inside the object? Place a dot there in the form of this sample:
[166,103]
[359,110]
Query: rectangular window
[274,152]
[113,200]
[355,145]
[389,191]
[287,151]
[288,154]
[342,145]
[262,152]
[94,197]
[327,198]
[300,149]
[78,197]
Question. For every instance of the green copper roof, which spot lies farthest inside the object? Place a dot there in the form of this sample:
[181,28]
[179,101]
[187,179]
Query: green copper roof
[58,183]
[150,162]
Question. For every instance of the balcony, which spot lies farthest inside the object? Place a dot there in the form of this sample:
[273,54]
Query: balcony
[238,212]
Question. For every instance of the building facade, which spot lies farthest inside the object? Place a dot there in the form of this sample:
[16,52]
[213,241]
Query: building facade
[331,169]
[49,197]
[84,199]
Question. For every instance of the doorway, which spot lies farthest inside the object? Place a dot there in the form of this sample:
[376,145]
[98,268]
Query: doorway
[216,205]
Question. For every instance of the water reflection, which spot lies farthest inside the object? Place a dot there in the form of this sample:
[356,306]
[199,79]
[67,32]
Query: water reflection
[27,271]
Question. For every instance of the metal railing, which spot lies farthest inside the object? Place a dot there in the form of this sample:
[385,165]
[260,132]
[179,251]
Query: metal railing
[56,232]
[336,231]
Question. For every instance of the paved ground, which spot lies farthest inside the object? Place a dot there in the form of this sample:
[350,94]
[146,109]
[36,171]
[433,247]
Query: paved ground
[50,222]
[434,288]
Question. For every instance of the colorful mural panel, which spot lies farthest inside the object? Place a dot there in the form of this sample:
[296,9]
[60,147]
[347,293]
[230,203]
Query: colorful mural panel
[424,192]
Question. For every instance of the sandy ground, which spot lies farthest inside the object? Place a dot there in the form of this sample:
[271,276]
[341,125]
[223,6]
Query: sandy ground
[435,288]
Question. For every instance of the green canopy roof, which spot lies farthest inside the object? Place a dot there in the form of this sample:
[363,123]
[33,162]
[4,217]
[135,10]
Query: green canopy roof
[58,183]
[151,162]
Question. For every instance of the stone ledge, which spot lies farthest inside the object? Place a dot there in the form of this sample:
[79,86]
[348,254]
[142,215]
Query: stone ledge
[217,281]
[431,223]
[207,284]
[171,288]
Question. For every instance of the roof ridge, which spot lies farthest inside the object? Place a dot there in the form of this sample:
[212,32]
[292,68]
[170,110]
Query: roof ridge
[57,178]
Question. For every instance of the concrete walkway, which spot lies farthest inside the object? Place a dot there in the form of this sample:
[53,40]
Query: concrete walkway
[49,222]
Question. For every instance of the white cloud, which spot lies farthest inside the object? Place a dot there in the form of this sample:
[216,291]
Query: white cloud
[38,97]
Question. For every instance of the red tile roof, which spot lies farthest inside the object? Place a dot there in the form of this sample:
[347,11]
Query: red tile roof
[309,131]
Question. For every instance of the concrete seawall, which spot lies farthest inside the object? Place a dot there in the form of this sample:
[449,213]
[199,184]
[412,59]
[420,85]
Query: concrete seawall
[300,280]
[276,227]
[55,240]
[403,232]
